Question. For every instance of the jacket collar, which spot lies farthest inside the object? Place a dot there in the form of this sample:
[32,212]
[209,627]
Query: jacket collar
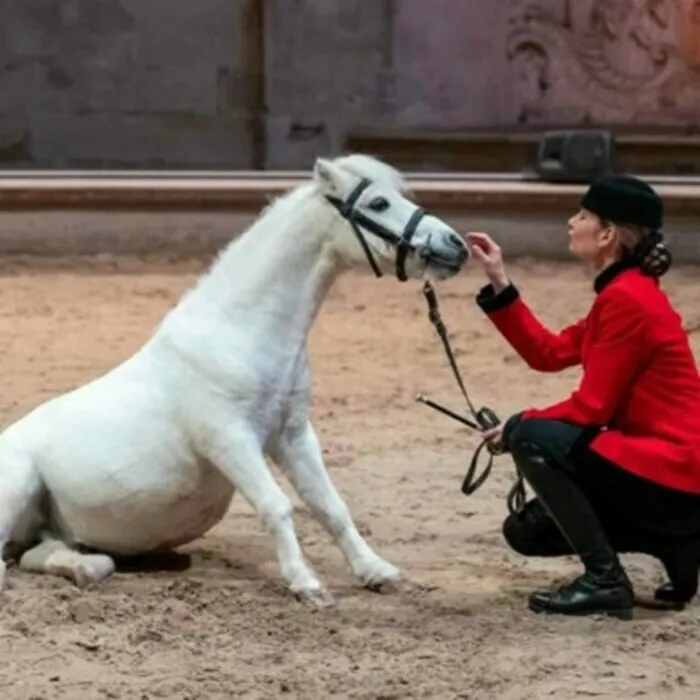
[605,277]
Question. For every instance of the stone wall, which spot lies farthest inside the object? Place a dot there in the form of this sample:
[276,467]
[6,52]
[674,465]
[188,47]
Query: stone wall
[120,83]
[167,83]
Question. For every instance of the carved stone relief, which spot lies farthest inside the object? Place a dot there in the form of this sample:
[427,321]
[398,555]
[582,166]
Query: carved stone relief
[606,61]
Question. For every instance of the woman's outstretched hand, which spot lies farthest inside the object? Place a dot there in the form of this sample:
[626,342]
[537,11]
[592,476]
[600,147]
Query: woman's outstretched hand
[489,254]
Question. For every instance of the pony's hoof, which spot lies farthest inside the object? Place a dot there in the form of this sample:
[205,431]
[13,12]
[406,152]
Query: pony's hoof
[92,569]
[315,597]
[379,575]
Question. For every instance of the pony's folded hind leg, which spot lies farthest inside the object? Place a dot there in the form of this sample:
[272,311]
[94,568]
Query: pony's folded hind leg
[20,495]
[53,556]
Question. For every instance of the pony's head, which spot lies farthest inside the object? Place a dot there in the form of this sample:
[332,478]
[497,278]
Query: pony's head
[377,222]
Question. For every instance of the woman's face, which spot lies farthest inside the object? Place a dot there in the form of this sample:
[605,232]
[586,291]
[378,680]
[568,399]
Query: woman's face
[589,240]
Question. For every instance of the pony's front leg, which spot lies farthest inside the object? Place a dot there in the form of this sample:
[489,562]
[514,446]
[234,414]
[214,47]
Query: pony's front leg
[299,455]
[238,457]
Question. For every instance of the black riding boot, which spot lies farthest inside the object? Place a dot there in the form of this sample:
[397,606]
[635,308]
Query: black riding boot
[604,587]
[682,569]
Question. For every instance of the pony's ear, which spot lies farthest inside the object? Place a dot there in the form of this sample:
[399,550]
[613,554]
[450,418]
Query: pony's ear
[327,176]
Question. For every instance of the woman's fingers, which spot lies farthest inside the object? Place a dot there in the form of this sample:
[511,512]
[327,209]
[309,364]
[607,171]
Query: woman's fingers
[482,240]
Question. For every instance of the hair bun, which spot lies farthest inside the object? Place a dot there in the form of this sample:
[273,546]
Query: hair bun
[654,257]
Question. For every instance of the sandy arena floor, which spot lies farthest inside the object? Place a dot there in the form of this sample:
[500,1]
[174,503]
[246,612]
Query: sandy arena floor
[457,628]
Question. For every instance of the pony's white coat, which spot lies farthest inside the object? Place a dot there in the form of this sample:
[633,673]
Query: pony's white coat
[148,456]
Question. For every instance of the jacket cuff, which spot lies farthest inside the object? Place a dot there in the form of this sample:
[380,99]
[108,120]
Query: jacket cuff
[489,301]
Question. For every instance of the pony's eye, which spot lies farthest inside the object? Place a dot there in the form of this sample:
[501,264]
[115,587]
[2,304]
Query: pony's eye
[379,204]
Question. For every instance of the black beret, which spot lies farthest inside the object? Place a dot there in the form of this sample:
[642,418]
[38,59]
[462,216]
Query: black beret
[626,200]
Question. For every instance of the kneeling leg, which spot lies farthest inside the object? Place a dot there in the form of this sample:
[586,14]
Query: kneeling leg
[533,533]
[53,556]
[604,587]
[682,564]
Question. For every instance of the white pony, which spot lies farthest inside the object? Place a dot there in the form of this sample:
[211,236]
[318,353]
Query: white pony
[148,456]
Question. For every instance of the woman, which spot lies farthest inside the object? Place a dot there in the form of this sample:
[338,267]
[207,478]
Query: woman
[615,467]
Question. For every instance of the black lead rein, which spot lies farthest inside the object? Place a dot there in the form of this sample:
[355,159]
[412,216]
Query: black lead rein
[484,418]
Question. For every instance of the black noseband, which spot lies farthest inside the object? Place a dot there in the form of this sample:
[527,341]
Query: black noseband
[357,219]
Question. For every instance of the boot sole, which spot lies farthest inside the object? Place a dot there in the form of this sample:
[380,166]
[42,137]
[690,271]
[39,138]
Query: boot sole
[661,603]
[625,614]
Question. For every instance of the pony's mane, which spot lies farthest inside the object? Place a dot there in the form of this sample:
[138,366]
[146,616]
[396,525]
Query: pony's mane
[358,164]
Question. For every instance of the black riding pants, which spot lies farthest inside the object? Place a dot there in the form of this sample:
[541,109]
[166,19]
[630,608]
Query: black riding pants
[637,515]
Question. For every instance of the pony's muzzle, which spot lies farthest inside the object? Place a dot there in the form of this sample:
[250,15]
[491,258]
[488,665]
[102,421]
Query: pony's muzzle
[448,250]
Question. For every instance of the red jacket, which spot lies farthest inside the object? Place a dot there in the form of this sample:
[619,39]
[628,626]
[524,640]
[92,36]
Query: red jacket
[640,382]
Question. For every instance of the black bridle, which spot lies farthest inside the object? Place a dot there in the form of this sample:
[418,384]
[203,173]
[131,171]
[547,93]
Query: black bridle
[357,219]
